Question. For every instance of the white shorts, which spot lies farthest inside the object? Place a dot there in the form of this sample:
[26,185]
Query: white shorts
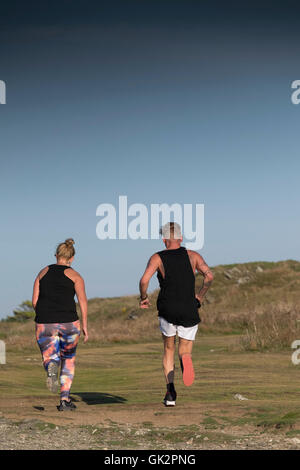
[168,329]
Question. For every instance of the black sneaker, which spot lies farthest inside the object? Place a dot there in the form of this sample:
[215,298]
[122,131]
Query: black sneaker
[66,406]
[170,398]
[52,377]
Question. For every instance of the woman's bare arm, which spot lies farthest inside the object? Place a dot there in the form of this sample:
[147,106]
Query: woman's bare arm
[82,300]
[36,286]
[36,291]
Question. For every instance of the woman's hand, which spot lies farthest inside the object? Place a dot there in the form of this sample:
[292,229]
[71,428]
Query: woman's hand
[85,334]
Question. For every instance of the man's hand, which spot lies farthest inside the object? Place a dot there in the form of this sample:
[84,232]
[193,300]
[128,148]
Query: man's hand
[198,297]
[145,303]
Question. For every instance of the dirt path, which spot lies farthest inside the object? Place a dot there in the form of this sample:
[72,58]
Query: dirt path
[35,434]
[36,424]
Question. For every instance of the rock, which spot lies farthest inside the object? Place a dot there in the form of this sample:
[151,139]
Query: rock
[295,440]
[206,438]
[259,269]
[227,275]
[237,396]
[235,270]
[243,280]
[132,316]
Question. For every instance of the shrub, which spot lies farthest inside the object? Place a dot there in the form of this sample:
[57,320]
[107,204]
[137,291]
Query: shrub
[24,312]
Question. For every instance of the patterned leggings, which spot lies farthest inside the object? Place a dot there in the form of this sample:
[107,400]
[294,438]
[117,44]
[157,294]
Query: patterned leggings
[58,342]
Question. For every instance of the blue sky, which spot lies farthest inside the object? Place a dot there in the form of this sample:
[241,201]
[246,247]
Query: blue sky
[187,108]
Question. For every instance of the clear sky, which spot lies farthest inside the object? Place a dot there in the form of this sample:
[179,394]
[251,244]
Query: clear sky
[161,101]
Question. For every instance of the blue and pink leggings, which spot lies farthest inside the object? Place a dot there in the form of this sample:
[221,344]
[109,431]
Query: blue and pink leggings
[58,342]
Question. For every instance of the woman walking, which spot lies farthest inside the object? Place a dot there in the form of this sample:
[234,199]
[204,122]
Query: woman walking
[57,322]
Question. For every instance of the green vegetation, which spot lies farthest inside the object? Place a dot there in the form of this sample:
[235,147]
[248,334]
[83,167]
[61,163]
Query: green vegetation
[23,313]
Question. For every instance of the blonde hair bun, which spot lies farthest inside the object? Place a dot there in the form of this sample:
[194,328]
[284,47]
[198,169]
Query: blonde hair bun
[66,249]
[69,242]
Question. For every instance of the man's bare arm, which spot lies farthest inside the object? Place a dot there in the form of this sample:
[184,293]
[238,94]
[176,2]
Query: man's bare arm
[152,267]
[202,268]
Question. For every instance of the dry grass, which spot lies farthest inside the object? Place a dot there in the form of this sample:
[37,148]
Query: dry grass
[274,328]
[18,336]
[259,300]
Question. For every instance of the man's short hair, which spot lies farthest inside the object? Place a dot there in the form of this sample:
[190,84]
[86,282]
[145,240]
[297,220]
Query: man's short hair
[171,230]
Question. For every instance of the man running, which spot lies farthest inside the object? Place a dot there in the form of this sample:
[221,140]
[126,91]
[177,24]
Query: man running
[177,303]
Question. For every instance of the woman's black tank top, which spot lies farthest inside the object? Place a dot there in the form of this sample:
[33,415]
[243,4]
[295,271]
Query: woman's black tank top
[176,301]
[56,302]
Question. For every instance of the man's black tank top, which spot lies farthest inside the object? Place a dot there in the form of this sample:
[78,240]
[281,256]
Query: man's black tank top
[176,301]
[56,302]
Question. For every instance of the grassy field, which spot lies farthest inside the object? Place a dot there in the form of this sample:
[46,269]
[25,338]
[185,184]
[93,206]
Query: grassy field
[243,348]
[119,389]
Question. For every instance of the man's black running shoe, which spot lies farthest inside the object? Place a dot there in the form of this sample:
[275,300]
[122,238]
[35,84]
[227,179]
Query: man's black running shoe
[170,398]
[66,406]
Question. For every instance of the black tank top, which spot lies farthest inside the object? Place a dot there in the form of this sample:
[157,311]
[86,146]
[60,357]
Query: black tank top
[56,302]
[176,301]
